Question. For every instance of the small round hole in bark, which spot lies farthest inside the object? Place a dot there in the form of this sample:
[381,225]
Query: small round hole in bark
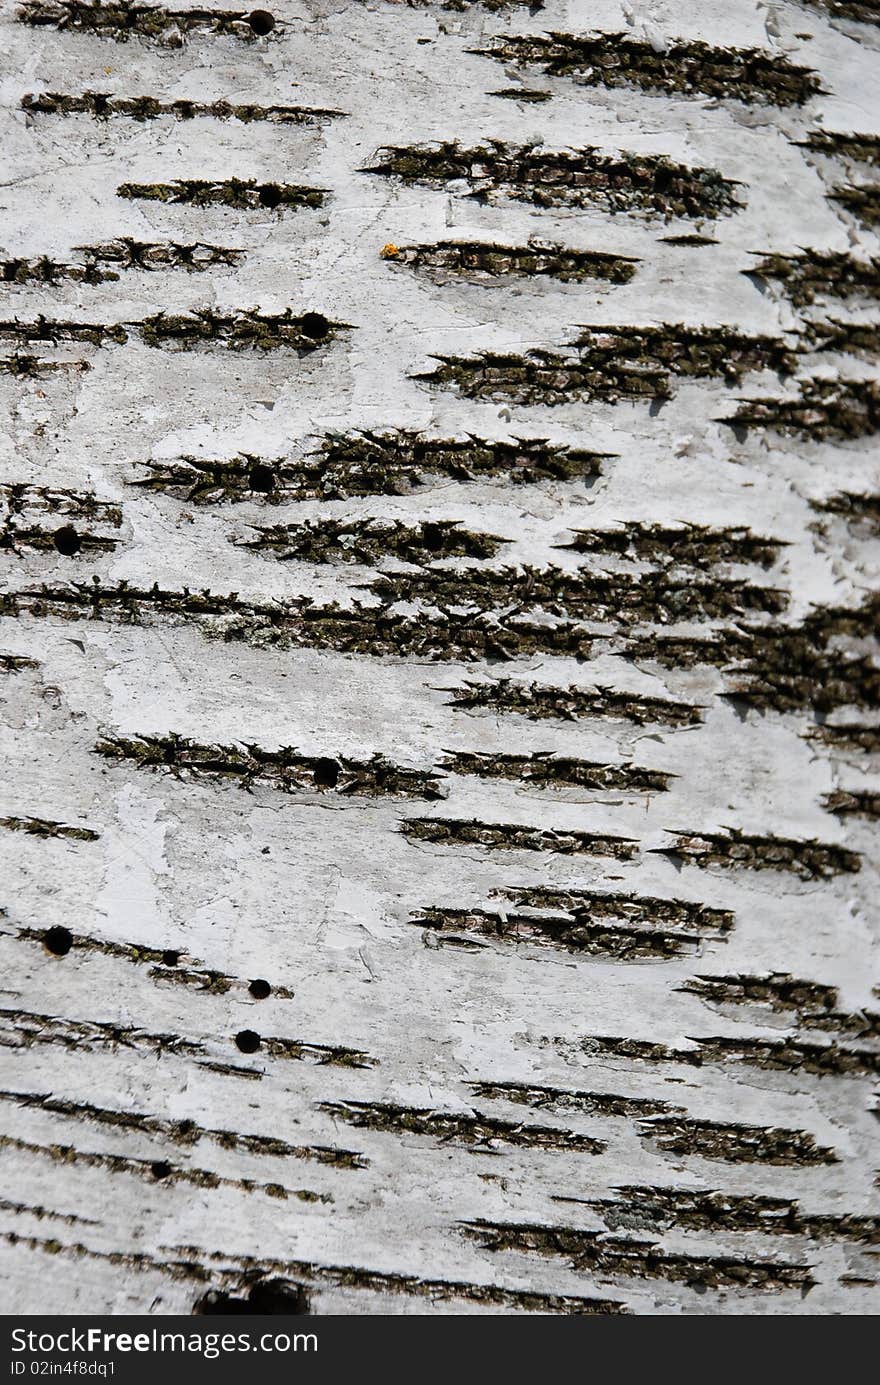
[170,958]
[159,1169]
[261,22]
[260,989]
[247,1040]
[326,774]
[262,478]
[58,941]
[270,196]
[314,325]
[67,541]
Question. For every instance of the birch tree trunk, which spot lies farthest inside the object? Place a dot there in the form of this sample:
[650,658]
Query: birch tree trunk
[439,657]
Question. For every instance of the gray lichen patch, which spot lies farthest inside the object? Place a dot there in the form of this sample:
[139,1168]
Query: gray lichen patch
[588,177]
[613,363]
[811,860]
[692,68]
[390,463]
[103,105]
[473,928]
[597,1253]
[244,194]
[813,274]
[822,410]
[506,836]
[735,1143]
[45,827]
[560,1100]
[372,541]
[549,770]
[539,702]
[122,21]
[662,1209]
[245,330]
[485,261]
[284,769]
[183,1132]
[691,545]
[587,905]
[474,1130]
[618,598]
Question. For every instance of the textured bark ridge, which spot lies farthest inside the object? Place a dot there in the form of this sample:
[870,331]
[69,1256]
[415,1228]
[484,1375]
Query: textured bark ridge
[439,540]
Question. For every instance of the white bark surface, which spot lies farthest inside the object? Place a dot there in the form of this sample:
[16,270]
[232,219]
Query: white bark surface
[319,891]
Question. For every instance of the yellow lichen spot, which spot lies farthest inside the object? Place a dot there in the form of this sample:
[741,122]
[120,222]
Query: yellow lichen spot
[389,251]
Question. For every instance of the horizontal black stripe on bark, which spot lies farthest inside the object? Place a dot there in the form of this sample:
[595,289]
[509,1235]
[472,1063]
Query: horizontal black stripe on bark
[735,1143]
[156,1170]
[485,261]
[540,701]
[474,1130]
[513,837]
[378,463]
[245,194]
[613,363]
[285,769]
[662,1209]
[119,20]
[588,177]
[476,927]
[183,1132]
[680,68]
[103,105]
[598,1253]
[810,860]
